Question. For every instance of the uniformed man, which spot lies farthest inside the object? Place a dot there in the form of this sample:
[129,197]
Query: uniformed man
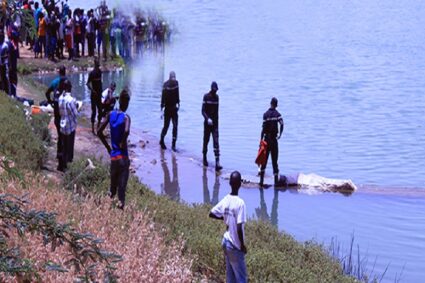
[210,113]
[170,103]
[94,83]
[271,132]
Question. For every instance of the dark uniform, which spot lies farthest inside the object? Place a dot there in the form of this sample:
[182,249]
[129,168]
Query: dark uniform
[169,101]
[4,66]
[56,86]
[210,111]
[271,121]
[95,79]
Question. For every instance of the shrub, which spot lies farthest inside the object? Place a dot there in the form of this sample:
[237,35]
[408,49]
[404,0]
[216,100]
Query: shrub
[272,256]
[18,140]
[40,127]
[87,246]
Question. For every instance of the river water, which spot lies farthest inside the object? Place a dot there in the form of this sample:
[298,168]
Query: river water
[349,79]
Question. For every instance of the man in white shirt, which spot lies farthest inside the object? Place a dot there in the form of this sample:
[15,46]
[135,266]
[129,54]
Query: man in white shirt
[108,99]
[68,125]
[232,210]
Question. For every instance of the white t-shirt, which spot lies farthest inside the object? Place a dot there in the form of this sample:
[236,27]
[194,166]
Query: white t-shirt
[232,209]
[107,93]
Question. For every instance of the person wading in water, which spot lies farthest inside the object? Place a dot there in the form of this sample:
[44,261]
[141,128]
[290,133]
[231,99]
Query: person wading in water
[170,104]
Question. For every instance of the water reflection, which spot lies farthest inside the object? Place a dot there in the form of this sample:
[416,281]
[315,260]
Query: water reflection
[170,187]
[216,188]
[261,211]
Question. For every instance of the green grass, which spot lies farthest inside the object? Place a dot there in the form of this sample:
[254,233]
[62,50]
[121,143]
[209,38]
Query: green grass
[272,256]
[20,140]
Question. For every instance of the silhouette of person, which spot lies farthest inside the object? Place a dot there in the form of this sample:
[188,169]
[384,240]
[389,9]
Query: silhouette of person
[216,188]
[170,187]
[261,211]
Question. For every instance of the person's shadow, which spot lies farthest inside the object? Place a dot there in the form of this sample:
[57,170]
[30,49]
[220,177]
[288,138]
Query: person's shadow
[170,186]
[261,211]
[216,188]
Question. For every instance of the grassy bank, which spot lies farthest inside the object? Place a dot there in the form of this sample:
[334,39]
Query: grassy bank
[48,234]
[272,256]
[22,138]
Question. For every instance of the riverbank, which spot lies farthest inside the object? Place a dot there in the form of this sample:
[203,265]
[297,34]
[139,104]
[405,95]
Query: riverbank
[272,255]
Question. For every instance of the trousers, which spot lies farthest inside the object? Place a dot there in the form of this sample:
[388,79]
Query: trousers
[208,131]
[235,263]
[273,149]
[67,150]
[96,104]
[120,171]
[170,116]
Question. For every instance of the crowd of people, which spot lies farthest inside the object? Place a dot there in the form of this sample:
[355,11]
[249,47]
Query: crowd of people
[96,32]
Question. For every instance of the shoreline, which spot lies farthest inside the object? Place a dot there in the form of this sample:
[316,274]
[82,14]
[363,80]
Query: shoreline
[148,159]
[144,148]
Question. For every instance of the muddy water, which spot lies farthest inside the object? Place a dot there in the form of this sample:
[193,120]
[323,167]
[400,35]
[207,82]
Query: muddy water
[349,77]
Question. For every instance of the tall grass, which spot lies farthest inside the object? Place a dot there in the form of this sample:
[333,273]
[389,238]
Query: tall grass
[356,264]
[145,256]
[272,256]
[22,141]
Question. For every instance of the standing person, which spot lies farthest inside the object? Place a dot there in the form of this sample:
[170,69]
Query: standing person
[272,121]
[68,125]
[42,26]
[232,210]
[119,123]
[91,33]
[210,113]
[61,39]
[94,83]
[36,13]
[83,20]
[53,30]
[4,64]
[108,99]
[56,87]
[77,32]
[69,35]
[170,104]
[13,67]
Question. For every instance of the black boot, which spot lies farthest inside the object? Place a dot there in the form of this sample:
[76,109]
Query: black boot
[162,144]
[218,167]
[92,129]
[205,161]
[276,179]
[261,179]
[173,147]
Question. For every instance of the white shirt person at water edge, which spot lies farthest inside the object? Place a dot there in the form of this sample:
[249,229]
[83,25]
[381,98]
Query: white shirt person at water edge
[232,210]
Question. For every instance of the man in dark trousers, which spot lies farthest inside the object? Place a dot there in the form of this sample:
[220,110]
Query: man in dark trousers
[94,83]
[56,87]
[210,113]
[119,123]
[271,132]
[231,209]
[4,63]
[170,103]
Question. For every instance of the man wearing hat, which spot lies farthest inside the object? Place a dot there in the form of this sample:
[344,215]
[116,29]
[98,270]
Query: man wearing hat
[271,132]
[210,113]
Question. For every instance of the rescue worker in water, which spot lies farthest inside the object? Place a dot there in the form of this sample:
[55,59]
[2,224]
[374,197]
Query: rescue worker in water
[170,104]
[271,132]
[210,113]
